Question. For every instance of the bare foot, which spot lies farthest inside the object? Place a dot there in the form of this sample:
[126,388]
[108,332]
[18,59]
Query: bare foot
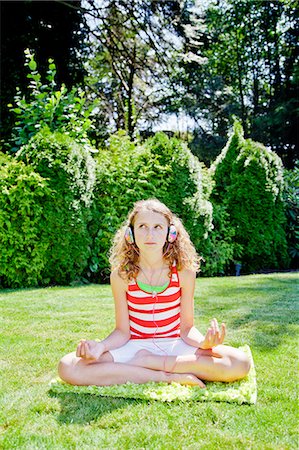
[185,378]
[182,378]
[138,357]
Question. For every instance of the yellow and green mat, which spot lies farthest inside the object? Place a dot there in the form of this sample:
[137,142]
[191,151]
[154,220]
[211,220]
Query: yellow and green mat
[242,391]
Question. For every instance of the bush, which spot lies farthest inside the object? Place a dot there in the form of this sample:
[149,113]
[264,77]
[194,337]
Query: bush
[221,170]
[181,182]
[46,106]
[163,168]
[249,185]
[70,173]
[291,200]
[220,248]
[22,236]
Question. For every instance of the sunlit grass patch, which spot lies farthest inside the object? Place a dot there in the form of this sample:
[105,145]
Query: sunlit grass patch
[38,326]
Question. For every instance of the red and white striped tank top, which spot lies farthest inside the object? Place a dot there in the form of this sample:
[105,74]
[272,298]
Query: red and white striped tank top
[155,316]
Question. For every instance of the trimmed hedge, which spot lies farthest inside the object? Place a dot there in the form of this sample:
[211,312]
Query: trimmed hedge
[69,170]
[249,186]
[291,200]
[22,236]
[60,206]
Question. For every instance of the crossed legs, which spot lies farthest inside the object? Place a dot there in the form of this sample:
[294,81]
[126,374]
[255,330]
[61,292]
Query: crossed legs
[105,372]
[223,363]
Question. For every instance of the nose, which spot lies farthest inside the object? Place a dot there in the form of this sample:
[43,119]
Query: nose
[149,232]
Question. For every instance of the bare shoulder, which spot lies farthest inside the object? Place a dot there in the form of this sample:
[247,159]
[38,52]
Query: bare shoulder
[187,276]
[116,280]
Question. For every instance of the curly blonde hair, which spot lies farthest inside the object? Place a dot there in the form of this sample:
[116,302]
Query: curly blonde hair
[125,257]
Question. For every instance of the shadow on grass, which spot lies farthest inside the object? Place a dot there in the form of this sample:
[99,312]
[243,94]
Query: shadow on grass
[81,408]
[272,317]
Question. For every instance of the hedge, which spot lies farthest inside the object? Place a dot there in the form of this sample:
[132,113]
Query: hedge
[69,169]
[22,236]
[249,186]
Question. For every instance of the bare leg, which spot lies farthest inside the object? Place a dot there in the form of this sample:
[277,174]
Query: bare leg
[223,363]
[105,372]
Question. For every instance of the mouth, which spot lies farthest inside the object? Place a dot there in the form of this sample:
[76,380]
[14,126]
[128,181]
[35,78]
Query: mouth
[150,243]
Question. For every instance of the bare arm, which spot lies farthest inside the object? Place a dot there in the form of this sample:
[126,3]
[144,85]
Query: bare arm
[189,333]
[121,334]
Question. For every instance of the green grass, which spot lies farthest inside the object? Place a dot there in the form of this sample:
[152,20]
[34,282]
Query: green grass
[38,326]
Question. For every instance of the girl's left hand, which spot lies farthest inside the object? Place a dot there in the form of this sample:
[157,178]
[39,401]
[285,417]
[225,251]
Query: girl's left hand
[214,336]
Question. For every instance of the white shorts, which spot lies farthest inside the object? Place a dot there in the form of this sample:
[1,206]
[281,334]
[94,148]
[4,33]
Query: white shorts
[162,346]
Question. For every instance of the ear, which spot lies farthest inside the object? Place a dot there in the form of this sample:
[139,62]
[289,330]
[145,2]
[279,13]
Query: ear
[172,234]
[129,235]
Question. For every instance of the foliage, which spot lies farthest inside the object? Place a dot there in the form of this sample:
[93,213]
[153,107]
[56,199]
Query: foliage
[240,59]
[186,183]
[50,29]
[70,172]
[117,187]
[225,161]
[249,184]
[163,168]
[291,199]
[220,248]
[60,110]
[208,60]
[67,165]
[130,54]
[23,243]
[206,145]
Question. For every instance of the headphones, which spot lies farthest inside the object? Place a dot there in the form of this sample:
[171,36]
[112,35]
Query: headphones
[171,235]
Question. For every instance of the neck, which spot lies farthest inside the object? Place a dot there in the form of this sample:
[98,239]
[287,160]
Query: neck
[151,262]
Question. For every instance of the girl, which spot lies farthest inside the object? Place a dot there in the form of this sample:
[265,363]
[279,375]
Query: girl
[154,267]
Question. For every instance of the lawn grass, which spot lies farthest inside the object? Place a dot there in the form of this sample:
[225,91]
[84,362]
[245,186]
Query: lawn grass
[38,326]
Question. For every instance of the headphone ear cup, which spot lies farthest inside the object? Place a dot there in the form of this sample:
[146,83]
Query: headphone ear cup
[129,236]
[172,234]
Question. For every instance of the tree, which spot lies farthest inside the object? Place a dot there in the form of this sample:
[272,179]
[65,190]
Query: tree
[240,59]
[130,53]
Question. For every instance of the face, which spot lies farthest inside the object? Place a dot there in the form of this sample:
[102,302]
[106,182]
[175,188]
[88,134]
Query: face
[150,230]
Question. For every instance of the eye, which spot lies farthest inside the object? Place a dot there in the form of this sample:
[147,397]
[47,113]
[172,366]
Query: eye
[158,226]
[141,226]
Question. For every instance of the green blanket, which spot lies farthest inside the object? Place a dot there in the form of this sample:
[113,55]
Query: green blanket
[243,391]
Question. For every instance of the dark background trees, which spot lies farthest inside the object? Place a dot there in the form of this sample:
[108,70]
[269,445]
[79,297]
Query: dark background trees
[210,61]
[241,58]
[130,57]
[53,30]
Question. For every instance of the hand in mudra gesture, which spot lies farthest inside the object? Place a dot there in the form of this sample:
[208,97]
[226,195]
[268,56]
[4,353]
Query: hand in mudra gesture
[214,335]
[90,349]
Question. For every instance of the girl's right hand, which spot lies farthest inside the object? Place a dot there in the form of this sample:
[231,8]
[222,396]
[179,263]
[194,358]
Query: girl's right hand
[90,349]
[214,336]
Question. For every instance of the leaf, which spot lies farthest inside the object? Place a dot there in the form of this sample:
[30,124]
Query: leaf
[32,65]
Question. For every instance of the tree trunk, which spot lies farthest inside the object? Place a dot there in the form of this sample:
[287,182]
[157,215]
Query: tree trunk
[130,118]
[241,93]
